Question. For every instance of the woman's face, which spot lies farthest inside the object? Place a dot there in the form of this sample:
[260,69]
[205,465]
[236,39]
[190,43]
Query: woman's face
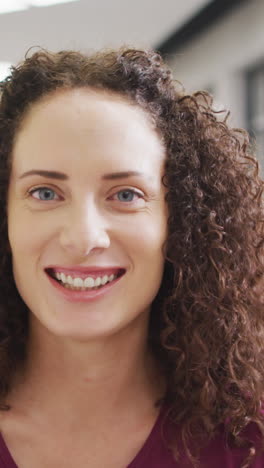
[86,213]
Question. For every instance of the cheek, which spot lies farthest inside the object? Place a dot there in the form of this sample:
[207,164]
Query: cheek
[25,235]
[145,238]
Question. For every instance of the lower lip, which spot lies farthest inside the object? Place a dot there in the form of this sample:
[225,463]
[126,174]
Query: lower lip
[83,296]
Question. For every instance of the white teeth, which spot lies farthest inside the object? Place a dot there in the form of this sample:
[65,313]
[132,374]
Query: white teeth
[104,279]
[97,282]
[88,282]
[69,280]
[78,282]
[63,278]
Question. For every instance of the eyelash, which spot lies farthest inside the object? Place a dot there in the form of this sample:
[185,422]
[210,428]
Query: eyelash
[37,189]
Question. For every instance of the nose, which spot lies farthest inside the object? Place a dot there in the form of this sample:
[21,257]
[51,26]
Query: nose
[84,231]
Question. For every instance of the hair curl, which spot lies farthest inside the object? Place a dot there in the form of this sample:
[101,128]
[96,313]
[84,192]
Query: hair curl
[206,325]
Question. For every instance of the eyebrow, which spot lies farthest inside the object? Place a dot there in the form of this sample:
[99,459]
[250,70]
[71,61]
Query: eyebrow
[62,176]
[49,174]
[122,175]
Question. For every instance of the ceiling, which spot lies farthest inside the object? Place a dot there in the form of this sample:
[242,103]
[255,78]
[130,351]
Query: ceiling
[89,24]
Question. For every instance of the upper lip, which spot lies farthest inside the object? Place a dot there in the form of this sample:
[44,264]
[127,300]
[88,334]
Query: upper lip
[83,272]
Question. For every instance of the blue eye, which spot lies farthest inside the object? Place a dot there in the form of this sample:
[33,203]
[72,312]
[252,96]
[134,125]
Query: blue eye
[126,195]
[44,193]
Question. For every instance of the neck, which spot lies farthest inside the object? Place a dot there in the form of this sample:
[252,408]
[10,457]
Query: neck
[92,379]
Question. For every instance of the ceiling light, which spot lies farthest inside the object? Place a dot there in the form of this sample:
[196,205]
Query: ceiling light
[40,3]
[4,70]
[7,6]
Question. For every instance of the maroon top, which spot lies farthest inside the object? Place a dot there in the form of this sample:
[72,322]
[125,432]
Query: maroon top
[155,453]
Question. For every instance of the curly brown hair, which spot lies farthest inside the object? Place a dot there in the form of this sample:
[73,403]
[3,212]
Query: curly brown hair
[206,325]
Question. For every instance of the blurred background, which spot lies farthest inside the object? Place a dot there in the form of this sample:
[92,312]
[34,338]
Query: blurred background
[216,45]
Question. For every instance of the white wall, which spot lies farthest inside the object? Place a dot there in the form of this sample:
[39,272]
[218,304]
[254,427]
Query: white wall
[89,24]
[220,56]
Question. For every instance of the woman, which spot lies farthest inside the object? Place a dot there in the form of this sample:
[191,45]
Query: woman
[132,261]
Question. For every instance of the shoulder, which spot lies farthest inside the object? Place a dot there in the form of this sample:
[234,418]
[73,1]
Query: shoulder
[217,452]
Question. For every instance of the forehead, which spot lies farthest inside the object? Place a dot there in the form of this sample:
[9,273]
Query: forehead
[102,126]
[87,106]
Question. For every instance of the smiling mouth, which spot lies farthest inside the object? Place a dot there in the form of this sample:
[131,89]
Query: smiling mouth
[89,283]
